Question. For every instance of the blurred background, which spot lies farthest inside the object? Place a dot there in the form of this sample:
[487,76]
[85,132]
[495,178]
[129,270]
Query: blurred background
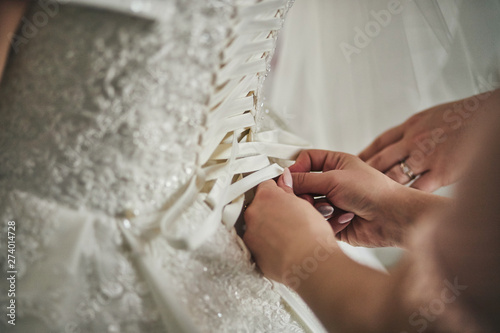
[347,70]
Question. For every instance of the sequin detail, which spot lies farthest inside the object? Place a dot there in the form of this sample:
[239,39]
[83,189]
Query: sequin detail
[107,118]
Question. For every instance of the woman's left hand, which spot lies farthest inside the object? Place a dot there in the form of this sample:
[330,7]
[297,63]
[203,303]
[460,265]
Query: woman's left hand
[430,144]
[283,229]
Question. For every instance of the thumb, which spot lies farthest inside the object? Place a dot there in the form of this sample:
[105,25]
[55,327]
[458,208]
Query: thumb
[317,183]
[285,181]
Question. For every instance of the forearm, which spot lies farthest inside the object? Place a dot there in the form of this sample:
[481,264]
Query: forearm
[10,13]
[490,101]
[348,297]
[410,207]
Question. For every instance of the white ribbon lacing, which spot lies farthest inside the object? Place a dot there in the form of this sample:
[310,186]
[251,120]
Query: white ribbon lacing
[232,157]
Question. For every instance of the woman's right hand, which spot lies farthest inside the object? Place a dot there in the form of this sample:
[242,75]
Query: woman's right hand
[384,209]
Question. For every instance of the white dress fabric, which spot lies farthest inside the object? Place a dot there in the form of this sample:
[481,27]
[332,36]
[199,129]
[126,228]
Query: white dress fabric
[126,130]
[347,70]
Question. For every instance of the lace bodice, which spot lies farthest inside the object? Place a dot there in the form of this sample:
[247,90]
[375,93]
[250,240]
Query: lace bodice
[108,116]
[104,115]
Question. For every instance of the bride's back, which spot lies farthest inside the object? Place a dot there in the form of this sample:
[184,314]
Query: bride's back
[104,115]
[104,110]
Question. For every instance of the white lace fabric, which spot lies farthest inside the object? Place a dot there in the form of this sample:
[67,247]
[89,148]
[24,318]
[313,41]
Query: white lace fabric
[103,121]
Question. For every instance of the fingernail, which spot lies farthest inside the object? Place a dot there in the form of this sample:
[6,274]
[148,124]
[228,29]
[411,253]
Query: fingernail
[344,218]
[325,210]
[287,178]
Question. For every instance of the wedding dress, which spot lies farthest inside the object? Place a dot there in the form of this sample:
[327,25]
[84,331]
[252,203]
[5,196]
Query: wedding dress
[347,70]
[129,131]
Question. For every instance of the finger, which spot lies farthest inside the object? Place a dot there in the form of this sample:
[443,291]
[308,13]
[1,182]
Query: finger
[389,156]
[349,235]
[285,181]
[340,220]
[387,138]
[316,160]
[397,173]
[337,227]
[266,184]
[307,197]
[307,183]
[345,218]
[324,208]
[427,182]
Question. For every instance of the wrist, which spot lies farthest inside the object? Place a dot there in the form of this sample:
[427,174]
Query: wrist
[301,267]
[412,205]
[339,285]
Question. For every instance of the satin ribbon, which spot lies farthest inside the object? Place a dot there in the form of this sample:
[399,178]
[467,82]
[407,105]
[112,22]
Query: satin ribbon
[226,157]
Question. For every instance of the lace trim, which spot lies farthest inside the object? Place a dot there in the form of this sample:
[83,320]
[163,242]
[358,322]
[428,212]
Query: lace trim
[215,284]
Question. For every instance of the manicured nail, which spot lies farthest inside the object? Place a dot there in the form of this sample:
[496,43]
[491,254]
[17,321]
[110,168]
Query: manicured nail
[287,178]
[344,218]
[325,210]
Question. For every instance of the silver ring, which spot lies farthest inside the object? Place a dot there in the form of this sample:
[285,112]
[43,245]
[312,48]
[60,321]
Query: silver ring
[406,170]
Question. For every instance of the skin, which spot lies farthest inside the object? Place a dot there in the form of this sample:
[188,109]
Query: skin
[383,214]
[431,143]
[284,233]
[10,14]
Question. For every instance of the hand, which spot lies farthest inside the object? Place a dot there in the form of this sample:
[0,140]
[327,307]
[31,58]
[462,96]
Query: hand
[283,230]
[384,209]
[431,143]
[293,244]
